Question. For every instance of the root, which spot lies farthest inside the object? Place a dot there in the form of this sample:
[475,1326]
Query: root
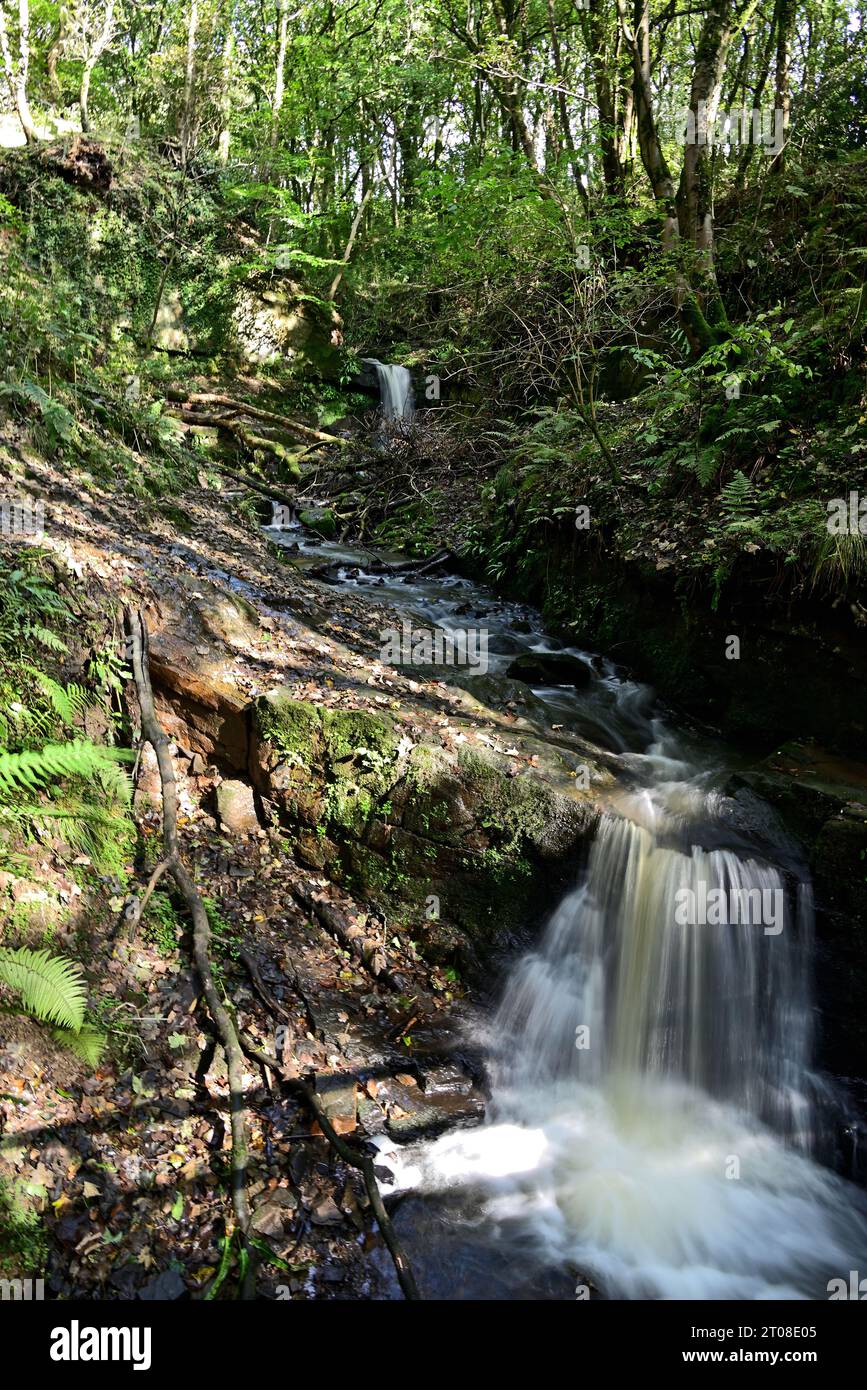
[174,864]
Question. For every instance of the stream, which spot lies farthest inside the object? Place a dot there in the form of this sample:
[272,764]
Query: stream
[656,1127]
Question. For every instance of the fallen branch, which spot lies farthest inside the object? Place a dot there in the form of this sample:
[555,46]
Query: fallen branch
[365,949]
[417,567]
[256,412]
[250,441]
[275,494]
[153,732]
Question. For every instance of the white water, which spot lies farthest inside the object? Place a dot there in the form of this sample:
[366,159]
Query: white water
[675,1157]
[395,390]
[671,1157]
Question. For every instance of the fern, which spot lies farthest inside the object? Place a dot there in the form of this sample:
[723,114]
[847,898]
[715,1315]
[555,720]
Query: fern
[88,1043]
[104,836]
[69,702]
[738,495]
[45,637]
[34,768]
[51,987]
[705,465]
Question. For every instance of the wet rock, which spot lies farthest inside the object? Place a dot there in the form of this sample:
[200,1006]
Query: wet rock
[327,1214]
[321,520]
[447,1098]
[165,1287]
[236,808]
[339,1099]
[550,668]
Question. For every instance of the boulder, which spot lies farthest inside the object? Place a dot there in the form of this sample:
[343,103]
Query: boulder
[236,808]
[550,668]
[321,520]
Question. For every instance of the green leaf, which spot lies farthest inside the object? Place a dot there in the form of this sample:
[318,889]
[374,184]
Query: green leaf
[51,987]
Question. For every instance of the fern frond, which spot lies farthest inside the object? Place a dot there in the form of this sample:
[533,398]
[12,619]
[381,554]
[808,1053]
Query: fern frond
[51,987]
[706,465]
[738,494]
[46,638]
[36,767]
[88,1043]
[69,702]
[104,836]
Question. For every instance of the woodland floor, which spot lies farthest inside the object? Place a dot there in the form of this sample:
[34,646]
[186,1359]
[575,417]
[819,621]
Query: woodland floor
[127,1165]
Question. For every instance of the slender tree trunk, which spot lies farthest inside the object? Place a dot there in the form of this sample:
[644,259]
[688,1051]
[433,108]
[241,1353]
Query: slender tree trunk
[595,38]
[16,74]
[695,193]
[562,108]
[280,71]
[52,58]
[758,92]
[353,233]
[189,111]
[649,144]
[228,62]
[782,92]
[100,44]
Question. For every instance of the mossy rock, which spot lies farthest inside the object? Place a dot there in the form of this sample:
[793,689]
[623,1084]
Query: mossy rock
[321,520]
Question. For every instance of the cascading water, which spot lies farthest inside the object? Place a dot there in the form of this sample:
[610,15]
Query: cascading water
[653,1112]
[724,1008]
[395,390]
[654,1123]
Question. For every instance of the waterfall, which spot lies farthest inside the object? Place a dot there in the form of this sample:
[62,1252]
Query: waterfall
[395,389]
[653,1111]
[724,1007]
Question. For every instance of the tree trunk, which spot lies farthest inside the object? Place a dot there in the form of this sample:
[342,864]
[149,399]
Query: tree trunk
[649,143]
[228,60]
[16,75]
[695,192]
[562,109]
[189,112]
[609,135]
[758,92]
[782,93]
[280,71]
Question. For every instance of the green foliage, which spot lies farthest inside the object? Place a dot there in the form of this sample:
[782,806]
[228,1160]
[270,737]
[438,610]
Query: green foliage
[33,769]
[738,495]
[23,1239]
[51,987]
[30,608]
[88,1042]
[162,925]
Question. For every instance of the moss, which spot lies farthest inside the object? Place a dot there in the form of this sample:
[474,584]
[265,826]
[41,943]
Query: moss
[292,726]
[321,520]
[349,731]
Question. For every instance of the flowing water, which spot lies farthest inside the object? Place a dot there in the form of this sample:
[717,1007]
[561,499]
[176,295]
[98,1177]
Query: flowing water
[395,389]
[655,1124]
